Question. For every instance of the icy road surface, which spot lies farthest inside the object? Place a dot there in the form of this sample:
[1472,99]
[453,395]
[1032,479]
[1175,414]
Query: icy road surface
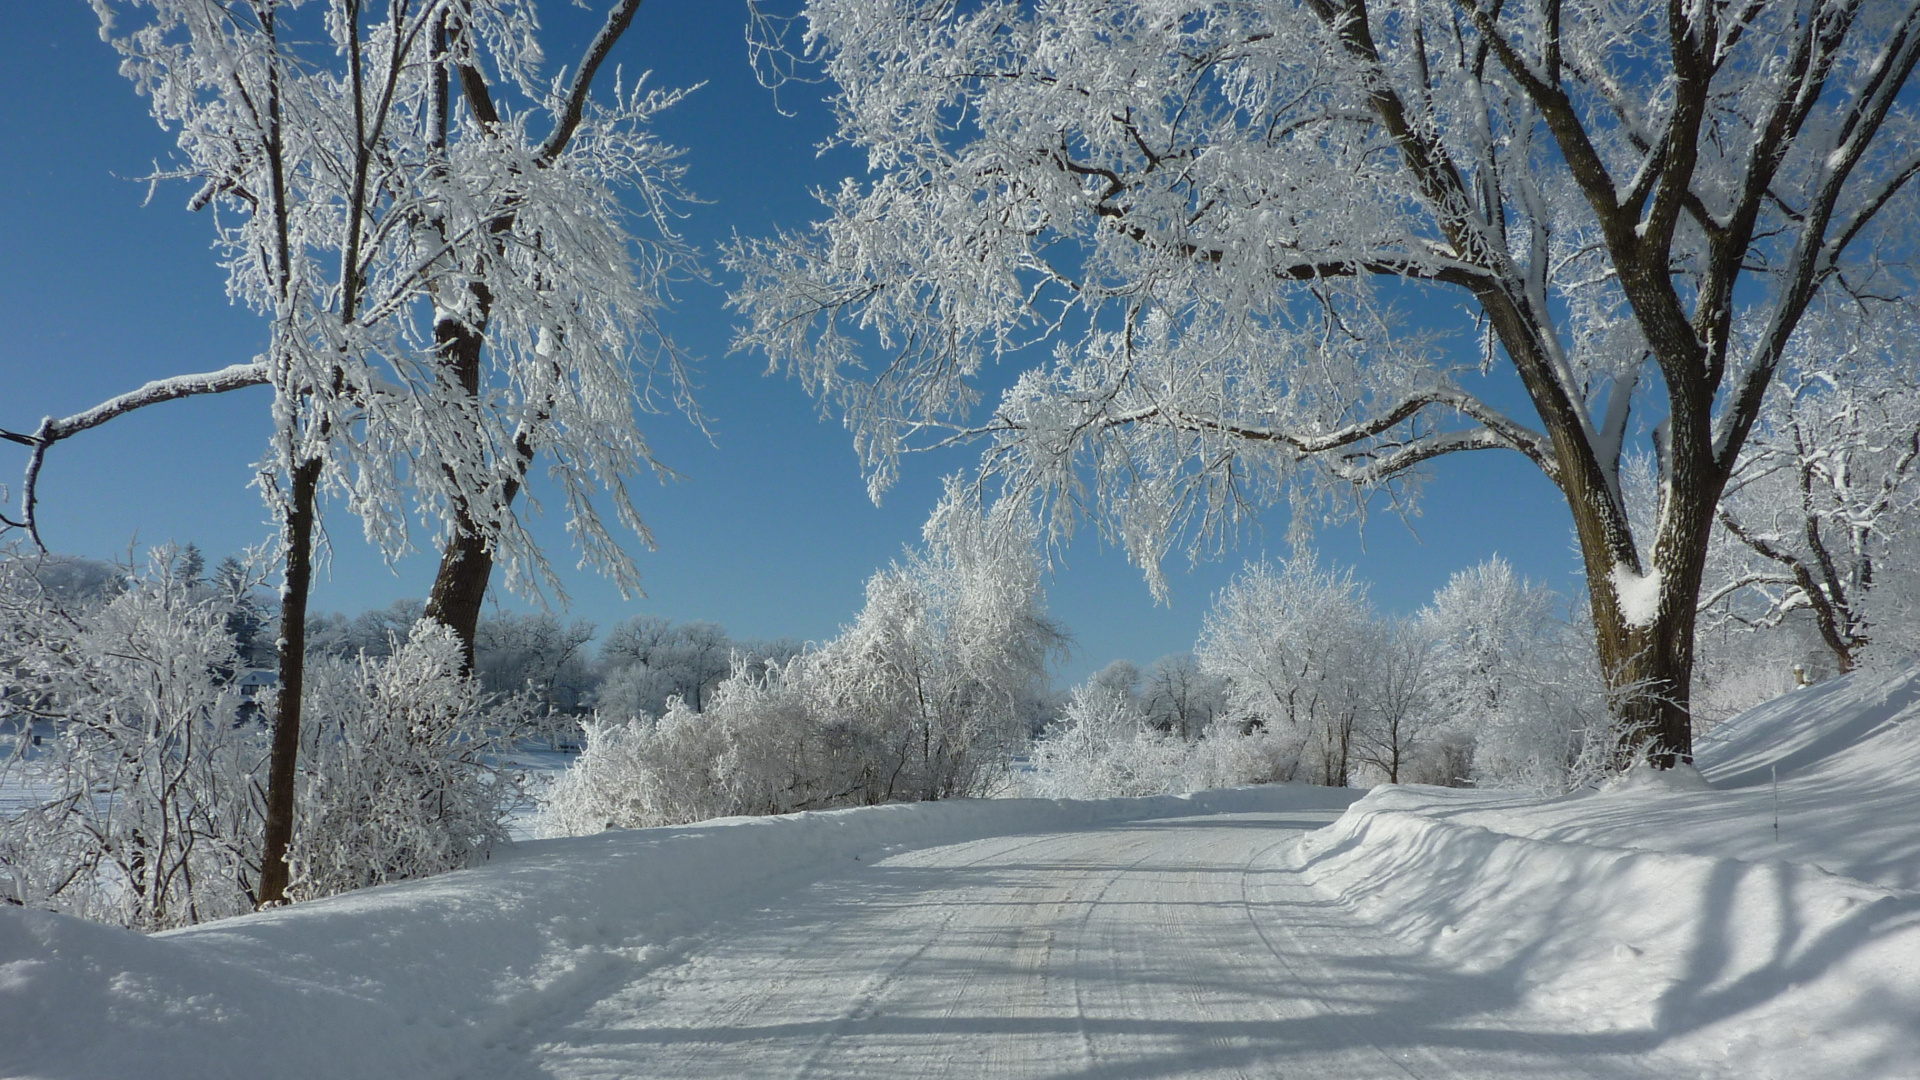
[1185,947]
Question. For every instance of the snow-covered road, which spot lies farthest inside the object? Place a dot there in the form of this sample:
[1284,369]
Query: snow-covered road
[1184,947]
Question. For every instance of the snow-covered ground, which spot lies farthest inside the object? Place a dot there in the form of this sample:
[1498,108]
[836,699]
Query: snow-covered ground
[1670,912]
[1653,930]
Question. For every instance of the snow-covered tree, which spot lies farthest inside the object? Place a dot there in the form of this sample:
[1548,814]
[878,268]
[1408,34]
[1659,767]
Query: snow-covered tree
[1178,696]
[248,619]
[144,806]
[1103,748]
[648,659]
[1400,728]
[1523,701]
[1293,643]
[1235,225]
[1488,623]
[451,292]
[952,640]
[374,633]
[399,774]
[1821,515]
[534,653]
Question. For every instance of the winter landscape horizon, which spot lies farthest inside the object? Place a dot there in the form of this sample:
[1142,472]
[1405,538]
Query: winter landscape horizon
[902,538]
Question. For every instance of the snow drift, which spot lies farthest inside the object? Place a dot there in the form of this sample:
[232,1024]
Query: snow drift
[1668,913]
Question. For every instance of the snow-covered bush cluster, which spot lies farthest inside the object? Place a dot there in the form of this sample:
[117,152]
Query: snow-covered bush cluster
[399,774]
[140,804]
[1300,679]
[927,695]
[1107,745]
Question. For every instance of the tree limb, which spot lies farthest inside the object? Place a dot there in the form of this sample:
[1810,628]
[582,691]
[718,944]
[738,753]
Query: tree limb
[53,430]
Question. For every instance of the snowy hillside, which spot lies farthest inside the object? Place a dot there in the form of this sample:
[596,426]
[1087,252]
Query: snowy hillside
[1657,929]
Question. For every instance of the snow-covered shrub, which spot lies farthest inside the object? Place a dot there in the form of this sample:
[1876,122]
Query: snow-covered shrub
[399,773]
[1102,747]
[141,810]
[1520,682]
[925,696]
[144,807]
[1105,747]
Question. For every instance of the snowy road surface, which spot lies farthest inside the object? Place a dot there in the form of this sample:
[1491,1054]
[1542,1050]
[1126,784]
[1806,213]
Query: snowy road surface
[1186,947]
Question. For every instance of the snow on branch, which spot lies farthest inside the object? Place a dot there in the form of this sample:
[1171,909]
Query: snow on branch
[51,430]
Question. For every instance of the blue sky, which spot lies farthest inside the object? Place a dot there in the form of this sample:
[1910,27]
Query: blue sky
[769,533]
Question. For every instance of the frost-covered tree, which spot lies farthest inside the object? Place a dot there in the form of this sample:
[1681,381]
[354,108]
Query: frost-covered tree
[248,619]
[926,695]
[41,599]
[534,653]
[1103,747]
[1178,695]
[1234,225]
[1119,680]
[647,660]
[1821,516]
[374,633]
[1523,701]
[948,649]
[1400,725]
[144,806]
[1294,644]
[1488,622]
[451,286]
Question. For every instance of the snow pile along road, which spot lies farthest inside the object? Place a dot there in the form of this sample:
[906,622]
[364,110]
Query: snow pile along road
[1669,911]
[425,978]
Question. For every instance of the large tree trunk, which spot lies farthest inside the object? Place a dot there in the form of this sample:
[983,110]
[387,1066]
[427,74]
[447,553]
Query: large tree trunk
[1649,672]
[281,771]
[1646,658]
[460,587]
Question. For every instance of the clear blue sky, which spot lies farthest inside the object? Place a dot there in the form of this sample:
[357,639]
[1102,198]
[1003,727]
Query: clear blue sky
[770,533]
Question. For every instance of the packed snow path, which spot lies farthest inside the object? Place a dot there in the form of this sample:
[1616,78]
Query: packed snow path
[1185,947]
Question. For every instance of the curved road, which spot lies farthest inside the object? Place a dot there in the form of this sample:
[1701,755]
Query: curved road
[1172,948]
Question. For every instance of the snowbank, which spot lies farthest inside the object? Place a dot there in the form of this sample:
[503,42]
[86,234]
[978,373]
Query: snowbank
[418,979]
[1669,914]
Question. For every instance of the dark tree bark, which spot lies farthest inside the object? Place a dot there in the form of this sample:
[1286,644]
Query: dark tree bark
[282,764]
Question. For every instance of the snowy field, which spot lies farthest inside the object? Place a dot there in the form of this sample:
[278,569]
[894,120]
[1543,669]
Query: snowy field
[1660,929]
